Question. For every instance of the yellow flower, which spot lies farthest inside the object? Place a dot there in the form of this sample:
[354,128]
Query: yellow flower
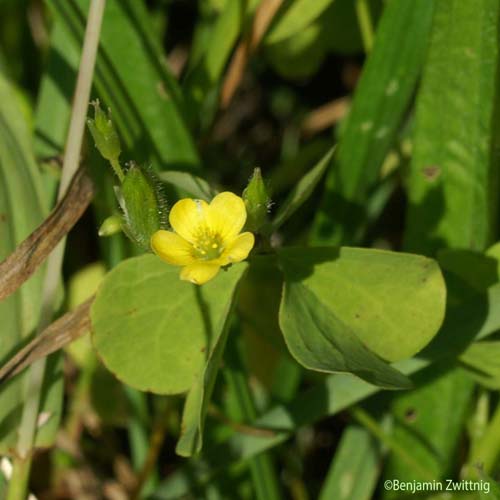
[206,237]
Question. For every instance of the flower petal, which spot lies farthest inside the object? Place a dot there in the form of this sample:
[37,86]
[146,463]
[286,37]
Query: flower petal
[199,272]
[172,248]
[239,249]
[227,215]
[187,216]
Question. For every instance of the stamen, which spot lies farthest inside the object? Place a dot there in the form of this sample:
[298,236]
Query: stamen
[207,245]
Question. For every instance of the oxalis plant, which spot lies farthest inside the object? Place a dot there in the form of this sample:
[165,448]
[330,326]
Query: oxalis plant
[158,329]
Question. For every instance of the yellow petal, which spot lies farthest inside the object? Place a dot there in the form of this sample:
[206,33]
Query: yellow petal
[172,248]
[199,272]
[227,215]
[239,249]
[187,216]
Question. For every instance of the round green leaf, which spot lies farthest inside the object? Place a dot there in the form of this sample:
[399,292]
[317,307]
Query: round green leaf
[393,302]
[318,340]
[154,331]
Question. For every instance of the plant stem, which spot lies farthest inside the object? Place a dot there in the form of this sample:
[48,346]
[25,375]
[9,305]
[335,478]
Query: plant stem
[365,24]
[35,376]
[487,449]
[374,428]
[80,399]
[261,467]
[19,480]
[147,471]
[118,170]
[479,423]
[138,425]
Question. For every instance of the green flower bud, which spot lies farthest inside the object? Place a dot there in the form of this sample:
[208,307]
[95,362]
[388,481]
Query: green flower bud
[104,133]
[256,201]
[143,204]
[110,226]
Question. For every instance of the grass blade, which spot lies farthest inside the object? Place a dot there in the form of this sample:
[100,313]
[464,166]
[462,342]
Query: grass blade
[145,99]
[382,97]
[353,471]
[22,205]
[452,186]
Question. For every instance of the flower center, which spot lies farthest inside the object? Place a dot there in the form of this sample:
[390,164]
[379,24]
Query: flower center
[208,245]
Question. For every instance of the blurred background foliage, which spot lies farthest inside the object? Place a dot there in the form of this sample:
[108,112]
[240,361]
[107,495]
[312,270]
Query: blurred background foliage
[408,91]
